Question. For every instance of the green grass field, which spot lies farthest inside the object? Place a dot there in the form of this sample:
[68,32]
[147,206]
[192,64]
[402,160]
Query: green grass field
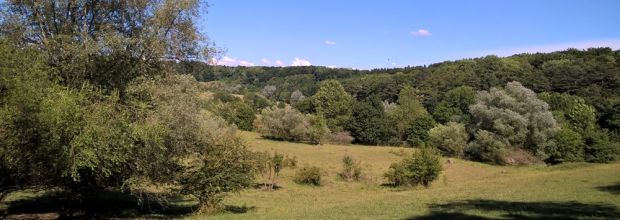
[465,190]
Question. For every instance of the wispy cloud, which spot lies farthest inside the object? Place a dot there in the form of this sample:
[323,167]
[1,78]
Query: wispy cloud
[421,33]
[231,61]
[300,62]
[330,43]
[279,63]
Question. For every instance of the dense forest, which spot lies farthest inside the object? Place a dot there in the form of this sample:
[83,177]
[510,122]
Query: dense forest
[575,91]
[592,74]
[99,96]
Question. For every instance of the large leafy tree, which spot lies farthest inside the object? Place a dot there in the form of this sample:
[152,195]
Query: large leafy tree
[333,103]
[105,42]
[579,124]
[410,118]
[515,117]
[84,106]
[455,105]
[369,124]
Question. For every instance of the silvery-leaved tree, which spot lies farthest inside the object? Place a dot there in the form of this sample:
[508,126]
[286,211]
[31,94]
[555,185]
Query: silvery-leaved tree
[515,117]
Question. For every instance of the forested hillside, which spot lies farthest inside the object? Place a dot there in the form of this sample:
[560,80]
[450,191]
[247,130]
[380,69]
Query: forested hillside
[592,74]
[560,106]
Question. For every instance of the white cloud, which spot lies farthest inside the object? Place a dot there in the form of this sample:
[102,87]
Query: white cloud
[265,61]
[300,62]
[245,63]
[421,33]
[279,63]
[330,43]
[231,61]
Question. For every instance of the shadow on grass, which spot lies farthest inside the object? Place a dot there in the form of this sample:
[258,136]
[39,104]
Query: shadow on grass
[520,210]
[238,209]
[613,189]
[110,204]
[263,186]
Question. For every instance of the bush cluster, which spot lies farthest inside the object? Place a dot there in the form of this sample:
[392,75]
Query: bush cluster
[308,175]
[419,168]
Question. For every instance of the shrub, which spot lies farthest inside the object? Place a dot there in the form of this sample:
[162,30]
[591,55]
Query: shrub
[343,138]
[318,129]
[270,166]
[291,125]
[282,124]
[308,175]
[569,147]
[599,149]
[351,169]
[296,96]
[238,113]
[450,139]
[487,147]
[290,161]
[305,105]
[420,168]
[257,101]
[225,97]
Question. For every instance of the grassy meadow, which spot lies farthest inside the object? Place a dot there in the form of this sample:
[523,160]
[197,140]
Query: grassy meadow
[465,190]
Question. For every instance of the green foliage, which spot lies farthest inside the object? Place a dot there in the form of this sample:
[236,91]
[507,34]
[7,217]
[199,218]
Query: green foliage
[416,132]
[269,91]
[305,106]
[80,49]
[569,147]
[571,110]
[369,124]
[450,139]
[455,105]
[599,149]
[257,101]
[351,169]
[308,175]
[420,168]
[289,124]
[270,165]
[296,97]
[318,129]
[488,147]
[579,118]
[282,124]
[515,117]
[225,97]
[238,113]
[226,167]
[405,114]
[334,104]
[180,142]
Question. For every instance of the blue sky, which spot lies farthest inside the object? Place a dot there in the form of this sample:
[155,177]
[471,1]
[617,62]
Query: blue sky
[373,34]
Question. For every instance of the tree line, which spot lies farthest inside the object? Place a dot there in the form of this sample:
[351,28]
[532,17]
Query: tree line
[592,74]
